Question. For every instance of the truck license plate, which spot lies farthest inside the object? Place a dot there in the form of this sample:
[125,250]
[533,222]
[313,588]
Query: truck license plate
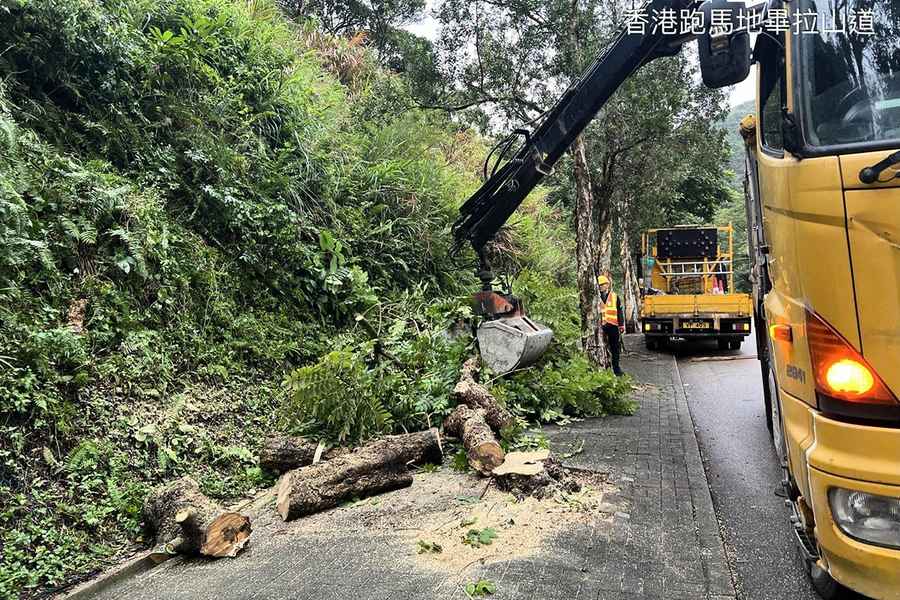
[696,325]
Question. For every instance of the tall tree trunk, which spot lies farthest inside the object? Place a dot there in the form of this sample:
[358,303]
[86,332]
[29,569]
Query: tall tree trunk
[630,288]
[585,250]
[604,249]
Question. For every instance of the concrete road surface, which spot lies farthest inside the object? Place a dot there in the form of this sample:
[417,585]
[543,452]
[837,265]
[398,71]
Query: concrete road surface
[725,399]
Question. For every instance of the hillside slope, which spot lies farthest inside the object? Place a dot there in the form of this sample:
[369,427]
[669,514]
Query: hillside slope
[197,197]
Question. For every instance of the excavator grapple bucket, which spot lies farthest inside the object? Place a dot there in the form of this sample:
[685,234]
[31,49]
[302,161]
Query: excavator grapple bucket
[511,343]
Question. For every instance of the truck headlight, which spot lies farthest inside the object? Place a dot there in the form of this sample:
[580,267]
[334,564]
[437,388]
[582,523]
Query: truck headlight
[867,517]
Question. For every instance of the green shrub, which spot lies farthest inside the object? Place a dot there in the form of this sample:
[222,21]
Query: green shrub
[335,400]
[397,378]
[228,195]
[569,386]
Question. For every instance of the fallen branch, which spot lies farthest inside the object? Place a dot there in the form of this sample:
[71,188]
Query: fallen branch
[377,467]
[184,521]
[483,451]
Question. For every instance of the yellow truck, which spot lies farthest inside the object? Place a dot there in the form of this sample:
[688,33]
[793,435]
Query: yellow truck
[823,204]
[688,287]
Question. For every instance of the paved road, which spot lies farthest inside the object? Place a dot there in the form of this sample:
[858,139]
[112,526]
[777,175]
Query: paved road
[725,399]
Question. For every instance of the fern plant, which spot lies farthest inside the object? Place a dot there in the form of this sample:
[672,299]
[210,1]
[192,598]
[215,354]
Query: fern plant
[335,399]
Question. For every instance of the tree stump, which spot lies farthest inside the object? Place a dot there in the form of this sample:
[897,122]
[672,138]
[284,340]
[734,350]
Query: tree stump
[534,474]
[184,521]
[281,453]
[483,451]
[377,467]
[474,395]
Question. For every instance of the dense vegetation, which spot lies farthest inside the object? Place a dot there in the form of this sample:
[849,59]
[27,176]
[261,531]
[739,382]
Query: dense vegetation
[204,209]
[733,210]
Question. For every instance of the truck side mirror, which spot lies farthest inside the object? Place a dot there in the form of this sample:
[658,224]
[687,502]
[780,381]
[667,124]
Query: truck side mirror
[725,44]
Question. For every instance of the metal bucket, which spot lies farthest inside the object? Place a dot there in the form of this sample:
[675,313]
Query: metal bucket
[512,343]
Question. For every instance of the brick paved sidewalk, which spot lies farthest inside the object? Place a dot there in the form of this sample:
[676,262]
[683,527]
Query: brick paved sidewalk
[662,542]
[669,545]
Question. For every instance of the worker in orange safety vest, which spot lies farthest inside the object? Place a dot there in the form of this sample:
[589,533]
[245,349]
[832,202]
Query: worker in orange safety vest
[612,321]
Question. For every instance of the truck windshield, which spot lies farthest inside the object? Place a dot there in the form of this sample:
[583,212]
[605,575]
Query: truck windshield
[850,72]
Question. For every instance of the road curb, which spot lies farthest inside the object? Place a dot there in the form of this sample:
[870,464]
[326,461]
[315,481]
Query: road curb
[713,556]
[141,563]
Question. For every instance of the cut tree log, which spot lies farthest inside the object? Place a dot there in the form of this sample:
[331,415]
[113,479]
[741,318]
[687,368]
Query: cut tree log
[281,453]
[474,395]
[483,451]
[184,521]
[377,467]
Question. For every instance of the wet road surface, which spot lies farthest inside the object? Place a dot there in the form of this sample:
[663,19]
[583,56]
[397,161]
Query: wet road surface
[726,402]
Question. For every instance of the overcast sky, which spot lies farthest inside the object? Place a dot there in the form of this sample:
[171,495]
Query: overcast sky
[428,28]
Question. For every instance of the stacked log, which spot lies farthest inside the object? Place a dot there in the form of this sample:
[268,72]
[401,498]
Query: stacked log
[282,453]
[483,451]
[377,467]
[477,420]
[184,521]
[471,393]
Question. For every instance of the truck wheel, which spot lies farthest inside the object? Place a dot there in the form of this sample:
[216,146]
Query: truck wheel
[723,344]
[735,344]
[651,343]
[824,584]
[762,350]
[767,394]
[776,428]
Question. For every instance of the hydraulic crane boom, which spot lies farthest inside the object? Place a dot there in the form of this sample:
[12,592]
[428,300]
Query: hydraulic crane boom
[485,212]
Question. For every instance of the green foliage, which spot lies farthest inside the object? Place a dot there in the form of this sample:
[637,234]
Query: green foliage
[563,386]
[223,205]
[196,198]
[399,380]
[460,461]
[735,212]
[527,442]
[480,537]
[428,547]
[335,399]
[482,587]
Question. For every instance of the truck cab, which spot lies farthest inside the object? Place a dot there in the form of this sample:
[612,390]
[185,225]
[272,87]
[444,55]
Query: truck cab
[823,204]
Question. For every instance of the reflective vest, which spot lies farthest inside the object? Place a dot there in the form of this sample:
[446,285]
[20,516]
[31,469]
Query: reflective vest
[610,314]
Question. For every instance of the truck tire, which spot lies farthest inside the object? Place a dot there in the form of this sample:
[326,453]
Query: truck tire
[723,343]
[762,351]
[776,429]
[767,393]
[824,584]
[735,344]
[651,343]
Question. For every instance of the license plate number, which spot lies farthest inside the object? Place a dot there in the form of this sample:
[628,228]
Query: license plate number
[696,325]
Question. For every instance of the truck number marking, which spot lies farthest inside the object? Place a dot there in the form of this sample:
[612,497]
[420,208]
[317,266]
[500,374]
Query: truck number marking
[797,373]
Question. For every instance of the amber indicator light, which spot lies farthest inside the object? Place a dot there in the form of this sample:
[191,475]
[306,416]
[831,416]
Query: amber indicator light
[840,370]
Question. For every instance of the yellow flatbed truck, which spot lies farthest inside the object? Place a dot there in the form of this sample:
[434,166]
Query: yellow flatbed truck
[688,287]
